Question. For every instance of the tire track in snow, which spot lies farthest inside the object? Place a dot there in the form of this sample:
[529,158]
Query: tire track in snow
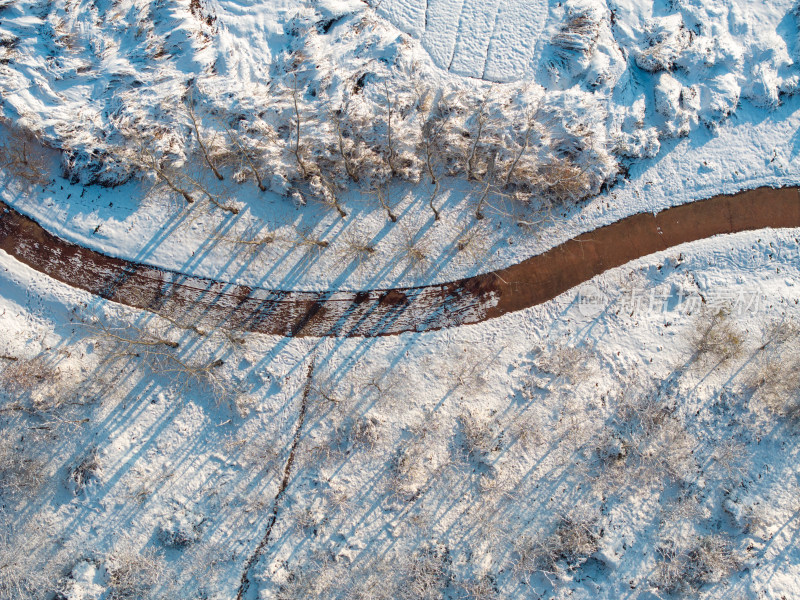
[245,582]
[491,39]
[458,35]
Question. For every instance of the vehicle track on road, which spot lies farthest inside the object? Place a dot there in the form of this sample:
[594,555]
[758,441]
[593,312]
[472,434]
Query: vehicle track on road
[196,301]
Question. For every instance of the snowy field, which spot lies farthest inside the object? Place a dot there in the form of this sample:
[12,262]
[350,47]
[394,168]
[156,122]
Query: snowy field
[643,102]
[642,448]
[626,453]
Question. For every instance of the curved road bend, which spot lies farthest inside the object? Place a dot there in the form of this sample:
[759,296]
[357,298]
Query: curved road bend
[205,302]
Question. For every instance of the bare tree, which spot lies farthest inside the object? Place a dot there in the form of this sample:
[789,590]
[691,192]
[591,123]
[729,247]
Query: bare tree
[349,167]
[210,196]
[245,154]
[380,191]
[431,131]
[198,136]
[526,140]
[481,120]
[297,148]
[391,151]
[326,191]
[164,173]
[487,187]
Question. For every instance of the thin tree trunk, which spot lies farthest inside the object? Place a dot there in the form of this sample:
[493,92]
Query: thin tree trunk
[519,155]
[300,161]
[200,143]
[385,206]
[246,156]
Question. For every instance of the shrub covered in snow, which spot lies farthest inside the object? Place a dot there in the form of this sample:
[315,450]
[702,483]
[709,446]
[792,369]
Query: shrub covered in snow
[686,565]
[22,473]
[132,574]
[181,529]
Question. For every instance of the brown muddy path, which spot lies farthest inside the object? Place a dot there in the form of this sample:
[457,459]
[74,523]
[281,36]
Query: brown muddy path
[208,303]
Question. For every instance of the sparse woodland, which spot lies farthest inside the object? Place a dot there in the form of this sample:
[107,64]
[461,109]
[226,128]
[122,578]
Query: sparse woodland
[561,481]
[544,455]
[380,128]
[317,131]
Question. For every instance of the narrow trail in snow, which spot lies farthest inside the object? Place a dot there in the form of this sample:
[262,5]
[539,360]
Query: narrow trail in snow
[195,301]
[245,582]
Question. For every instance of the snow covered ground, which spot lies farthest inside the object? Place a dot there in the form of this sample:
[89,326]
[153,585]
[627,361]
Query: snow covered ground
[643,447]
[447,464]
[670,130]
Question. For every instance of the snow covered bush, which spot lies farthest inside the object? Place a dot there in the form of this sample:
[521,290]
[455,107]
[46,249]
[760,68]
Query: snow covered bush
[336,96]
[23,156]
[345,105]
[132,573]
[424,573]
[566,363]
[21,578]
[774,378]
[570,543]
[364,432]
[87,471]
[686,565]
[644,442]
[776,383]
[717,338]
[665,40]
[86,581]
[581,28]
[408,472]
[22,474]
[180,529]
[478,438]
[585,51]
[675,104]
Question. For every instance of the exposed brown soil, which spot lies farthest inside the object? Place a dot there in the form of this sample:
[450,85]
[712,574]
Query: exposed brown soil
[204,302]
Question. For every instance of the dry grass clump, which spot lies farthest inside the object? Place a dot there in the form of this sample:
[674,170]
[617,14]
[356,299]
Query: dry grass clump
[407,473]
[718,339]
[412,465]
[375,581]
[573,541]
[565,362]
[425,574]
[775,378]
[481,588]
[478,437]
[87,470]
[364,432]
[22,155]
[21,474]
[684,567]
[643,442]
[21,578]
[25,374]
[253,452]
[132,574]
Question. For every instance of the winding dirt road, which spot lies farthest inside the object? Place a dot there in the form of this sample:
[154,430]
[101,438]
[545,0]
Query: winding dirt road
[204,302]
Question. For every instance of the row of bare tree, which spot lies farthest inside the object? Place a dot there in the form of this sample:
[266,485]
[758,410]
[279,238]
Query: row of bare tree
[312,148]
